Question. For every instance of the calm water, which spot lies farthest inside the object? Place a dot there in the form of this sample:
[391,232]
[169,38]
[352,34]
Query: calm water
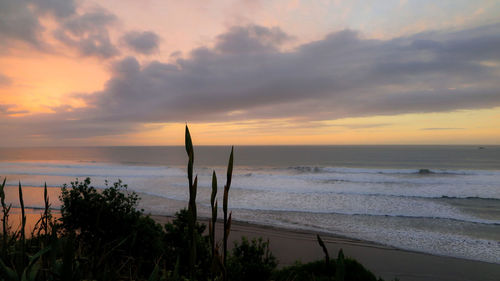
[375,193]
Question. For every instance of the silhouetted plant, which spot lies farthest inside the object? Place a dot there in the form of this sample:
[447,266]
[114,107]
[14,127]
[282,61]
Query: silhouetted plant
[192,216]
[217,260]
[227,221]
[340,266]
[316,270]
[17,263]
[176,243]
[213,220]
[5,221]
[251,260]
[341,269]
[325,250]
[114,235]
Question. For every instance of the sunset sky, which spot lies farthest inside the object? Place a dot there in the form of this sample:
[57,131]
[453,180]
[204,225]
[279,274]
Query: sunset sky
[249,72]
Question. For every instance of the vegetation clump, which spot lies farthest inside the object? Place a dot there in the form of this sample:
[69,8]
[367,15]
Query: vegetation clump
[317,270]
[108,225]
[177,247]
[251,260]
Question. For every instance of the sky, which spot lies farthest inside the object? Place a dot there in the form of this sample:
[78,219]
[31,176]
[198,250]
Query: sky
[249,72]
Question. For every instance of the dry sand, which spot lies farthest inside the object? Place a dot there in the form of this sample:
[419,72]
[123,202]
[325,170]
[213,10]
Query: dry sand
[386,262]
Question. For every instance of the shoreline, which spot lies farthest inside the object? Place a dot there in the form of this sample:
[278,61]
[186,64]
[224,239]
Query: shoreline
[290,245]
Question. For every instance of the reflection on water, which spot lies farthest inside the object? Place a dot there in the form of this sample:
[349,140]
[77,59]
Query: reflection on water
[32,217]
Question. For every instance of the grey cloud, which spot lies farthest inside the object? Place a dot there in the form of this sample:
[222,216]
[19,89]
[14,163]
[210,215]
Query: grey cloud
[342,75]
[50,129]
[145,42]
[440,129]
[18,22]
[89,22]
[363,126]
[251,39]
[88,33]
[4,80]
[98,44]
[6,109]
[58,8]
[19,19]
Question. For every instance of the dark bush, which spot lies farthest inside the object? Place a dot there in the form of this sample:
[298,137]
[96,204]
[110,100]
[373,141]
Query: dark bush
[176,244]
[110,229]
[251,260]
[317,270]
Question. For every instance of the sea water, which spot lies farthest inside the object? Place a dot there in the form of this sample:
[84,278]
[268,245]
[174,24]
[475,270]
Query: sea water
[442,200]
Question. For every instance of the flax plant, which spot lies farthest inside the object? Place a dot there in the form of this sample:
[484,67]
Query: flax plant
[192,201]
[325,250]
[44,223]
[227,221]
[23,228]
[340,266]
[211,224]
[5,220]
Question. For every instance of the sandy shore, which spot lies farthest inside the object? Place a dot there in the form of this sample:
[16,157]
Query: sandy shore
[386,262]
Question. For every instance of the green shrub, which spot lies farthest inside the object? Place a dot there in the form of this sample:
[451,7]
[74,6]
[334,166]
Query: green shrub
[176,244]
[251,260]
[317,270]
[113,234]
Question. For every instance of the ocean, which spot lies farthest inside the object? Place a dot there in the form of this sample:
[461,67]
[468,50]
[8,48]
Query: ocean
[442,200]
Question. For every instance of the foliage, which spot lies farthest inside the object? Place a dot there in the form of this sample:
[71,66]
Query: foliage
[217,260]
[176,244]
[191,211]
[5,222]
[323,247]
[251,260]
[227,221]
[115,236]
[213,220]
[22,258]
[317,270]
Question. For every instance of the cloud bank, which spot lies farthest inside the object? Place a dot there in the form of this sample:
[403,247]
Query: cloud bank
[343,75]
[145,42]
[88,33]
[19,20]
[246,75]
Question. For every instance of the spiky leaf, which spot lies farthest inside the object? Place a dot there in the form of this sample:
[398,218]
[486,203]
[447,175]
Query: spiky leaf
[340,268]
[230,169]
[325,250]
[155,275]
[189,144]
[214,189]
[229,220]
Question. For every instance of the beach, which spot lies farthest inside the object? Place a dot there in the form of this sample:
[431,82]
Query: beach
[290,246]
[412,212]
